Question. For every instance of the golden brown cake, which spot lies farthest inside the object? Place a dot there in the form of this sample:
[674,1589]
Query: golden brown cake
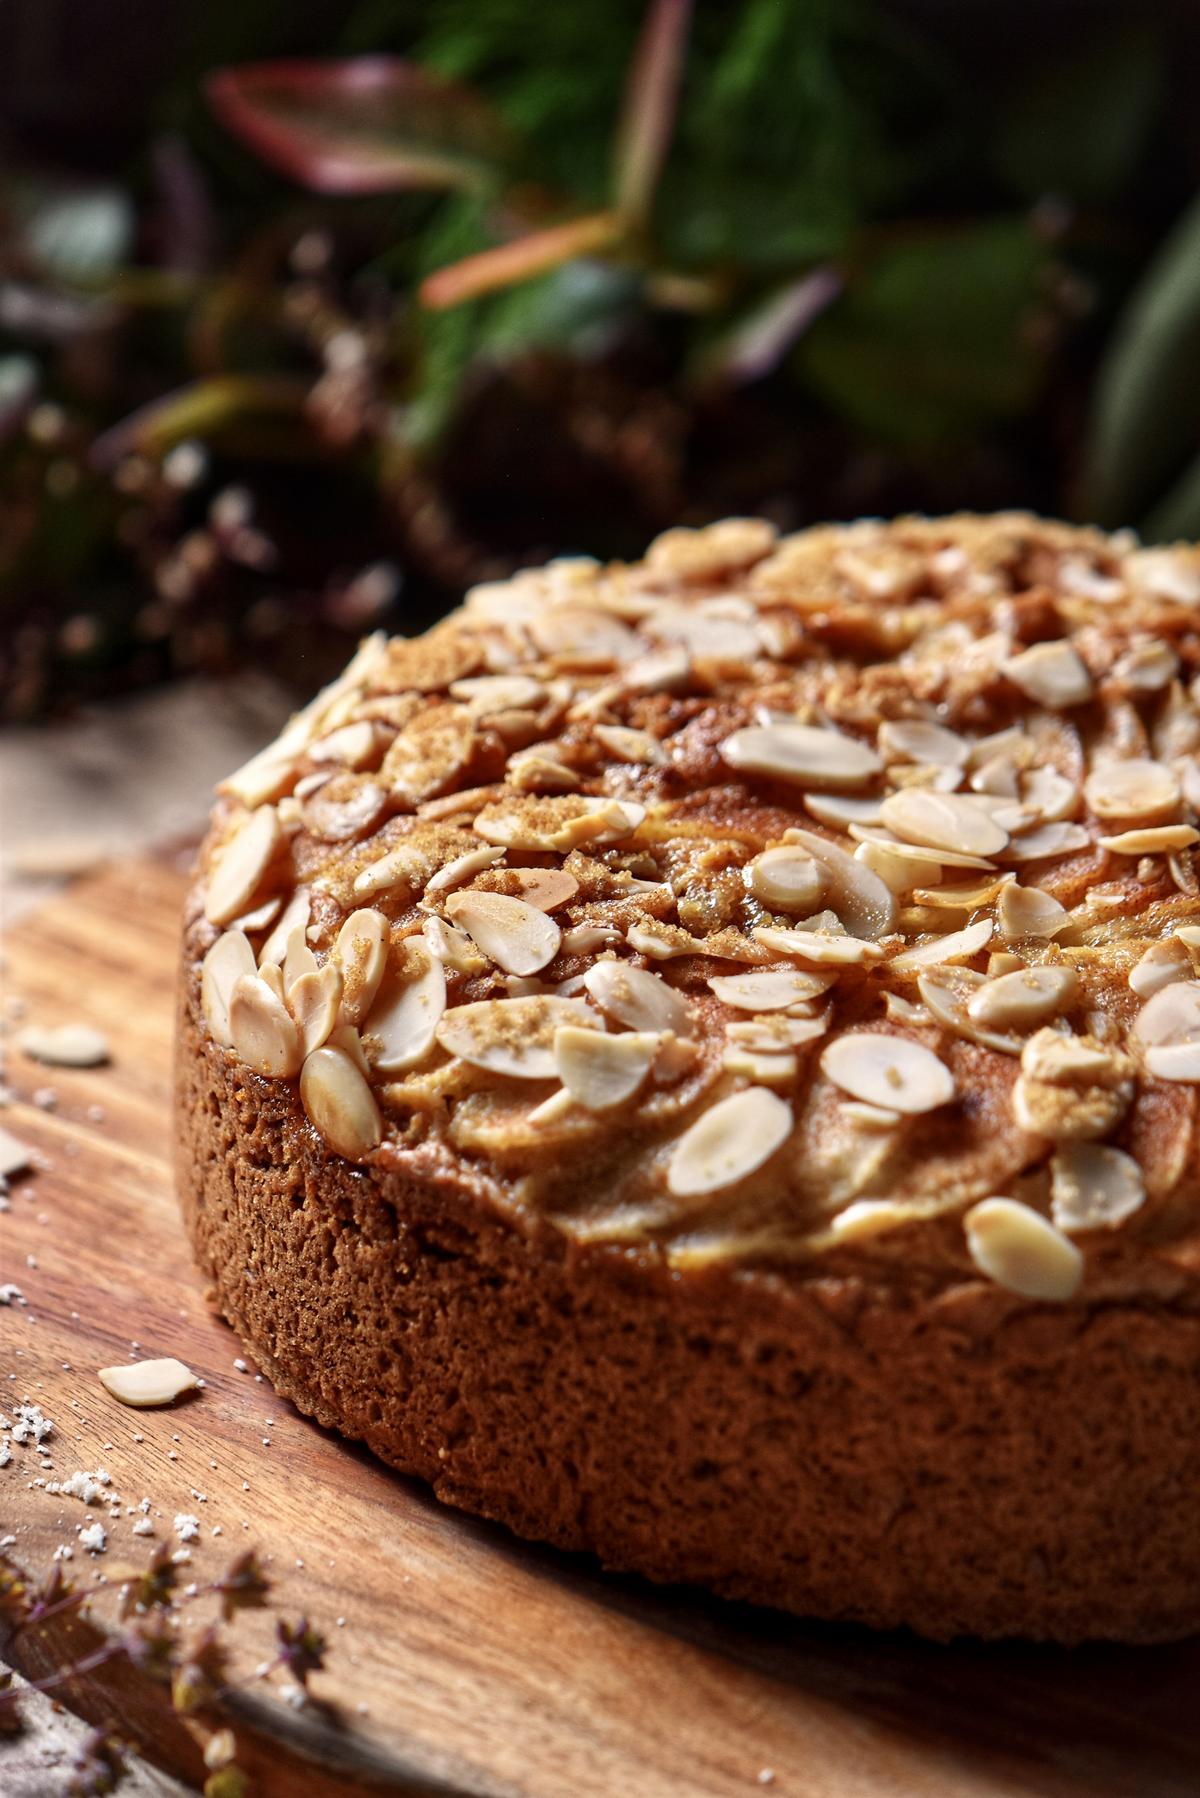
[700,1061]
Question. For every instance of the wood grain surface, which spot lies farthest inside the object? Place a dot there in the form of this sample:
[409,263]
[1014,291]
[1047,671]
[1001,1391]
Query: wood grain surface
[461,1660]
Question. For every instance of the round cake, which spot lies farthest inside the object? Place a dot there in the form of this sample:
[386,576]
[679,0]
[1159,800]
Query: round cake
[700,1061]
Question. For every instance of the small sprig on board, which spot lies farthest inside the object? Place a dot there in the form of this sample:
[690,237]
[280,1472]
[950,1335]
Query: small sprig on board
[151,1611]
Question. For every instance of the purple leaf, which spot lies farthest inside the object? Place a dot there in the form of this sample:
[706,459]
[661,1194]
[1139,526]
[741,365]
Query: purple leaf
[370,124]
[648,115]
[758,343]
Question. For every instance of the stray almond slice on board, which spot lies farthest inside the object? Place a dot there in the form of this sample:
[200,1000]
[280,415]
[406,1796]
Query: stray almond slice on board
[339,1103]
[804,754]
[145,1384]
[262,1032]
[601,1071]
[1021,1250]
[728,1142]
[518,937]
[66,1045]
[1094,1186]
[239,866]
[637,998]
[954,821]
[889,1071]
[1053,674]
[14,1156]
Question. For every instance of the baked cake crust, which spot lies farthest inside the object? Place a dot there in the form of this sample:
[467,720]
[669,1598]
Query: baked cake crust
[842,1256]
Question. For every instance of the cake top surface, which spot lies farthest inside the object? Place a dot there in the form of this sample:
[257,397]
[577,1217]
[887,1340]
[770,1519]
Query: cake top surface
[834,894]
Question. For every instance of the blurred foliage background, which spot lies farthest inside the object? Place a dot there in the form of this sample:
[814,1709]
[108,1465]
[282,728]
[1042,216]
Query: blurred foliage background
[310,316]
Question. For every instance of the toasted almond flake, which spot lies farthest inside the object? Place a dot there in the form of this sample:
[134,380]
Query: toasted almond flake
[1174,1061]
[534,772]
[729,1142]
[806,755]
[997,776]
[399,1030]
[1052,674]
[589,939]
[891,1071]
[260,917]
[864,903]
[898,873]
[1046,843]
[1022,1251]
[558,823]
[1061,1060]
[545,888]
[145,1384]
[463,868]
[229,958]
[14,1155]
[774,1033]
[714,549]
[240,864]
[768,989]
[1011,741]
[663,942]
[298,959]
[262,1032]
[763,1067]
[518,937]
[513,1037]
[67,1045]
[958,945]
[601,1071]
[295,916]
[1027,911]
[361,953]
[868,1117]
[487,693]
[313,1001]
[921,856]
[869,1217]
[1161,964]
[453,948]
[1152,841]
[637,998]
[1094,1187]
[663,670]
[841,809]
[577,637]
[1023,1000]
[1170,1016]
[1148,666]
[272,973]
[945,993]
[919,740]
[820,946]
[1137,788]
[788,879]
[1009,814]
[266,776]
[339,1103]
[625,745]
[352,745]
[954,821]
[963,895]
[904,1011]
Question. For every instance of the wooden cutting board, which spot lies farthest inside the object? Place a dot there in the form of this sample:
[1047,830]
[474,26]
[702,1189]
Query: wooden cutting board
[467,1661]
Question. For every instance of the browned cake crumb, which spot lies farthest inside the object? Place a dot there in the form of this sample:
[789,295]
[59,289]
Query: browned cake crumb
[700,1060]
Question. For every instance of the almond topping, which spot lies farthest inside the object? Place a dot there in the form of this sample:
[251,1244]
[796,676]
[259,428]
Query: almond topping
[764,1067]
[728,1142]
[1134,789]
[865,904]
[918,740]
[787,879]
[298,959]
[1023,1000]
[313,1001]
[295,915]
[145,1384]
[891,1071]
[821,946]
[461,869]
[601,1071]
[1162,964]
[518,937]
[558,822]
[339,1103]
[1021,1250]
[958,945]
[625,745]
[1052,674]
[230,957]
[514,1037]
[361,952]
[804,754]
[769,989]
[399,1030]
[841,810]
[1046,843]
[1153,841]
[1050,793]
[545,888]
[1027,911]
[238,868]
[1094,1186]
[1170,1016]
[637,998]
[1174,1061]
[262,1031]
[943,821]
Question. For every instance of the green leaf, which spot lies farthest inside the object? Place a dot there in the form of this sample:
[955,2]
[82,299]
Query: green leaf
[930,340]
[1144,423]
[1177,514]
[1077,126]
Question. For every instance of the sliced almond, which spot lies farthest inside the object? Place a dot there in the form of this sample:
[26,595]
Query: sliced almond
[945,993]
[352,745]
[729,1142]
[262,1032]
[625,745]
[868,1117]
[891,1071]
[864,903]
[1047,842]
[313,1001]
[1161,964]
[997,776]
[512,1037]
[399,1030]
[145,1384]
[488,693]
[957,945]
[787,879]
[820,946]
[899,873]
[774,1033]
[1137,788]
[403,866]
[533,771]
[601,1071]
[518,937]
[637,998]
[1023,1000]
[1052,674]
[558,823]
[298,959]
[763,1067]
[15,1157]
[453,948]
[295,916]
[962,895]
[1156,840]
[339,1103]
[260,917]
[456,873]
[955,821]
[546,888]
[1174,1061]
[919,740]
[769,989]
[1094,1186]
[920,856]
[239,866]
[803,754]
[869,1217]
[1021,1250]
[361,952]
[1027,911]
[841,809]
[1050,794]
[68,1045]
